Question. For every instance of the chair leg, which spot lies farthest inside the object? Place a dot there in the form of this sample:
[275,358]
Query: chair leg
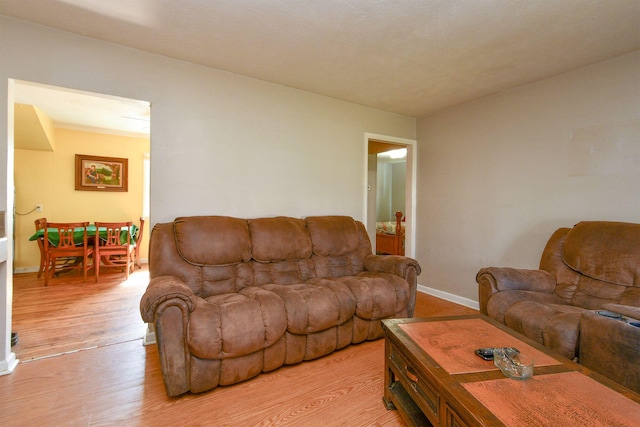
[137,258]
[46,271]
[41,266]
[131,266]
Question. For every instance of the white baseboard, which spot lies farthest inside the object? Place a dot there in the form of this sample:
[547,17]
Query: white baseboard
[450,297]
[9,365]
[20,270]
[149,336]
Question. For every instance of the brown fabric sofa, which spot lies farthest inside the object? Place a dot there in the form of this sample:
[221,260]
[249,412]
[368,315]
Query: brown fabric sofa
[231,298]
[584,270]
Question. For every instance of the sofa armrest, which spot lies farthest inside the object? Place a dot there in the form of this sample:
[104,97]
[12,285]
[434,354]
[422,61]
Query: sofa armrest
[496,279]
[393,264]
[405,267]
[161,289]
[168,304]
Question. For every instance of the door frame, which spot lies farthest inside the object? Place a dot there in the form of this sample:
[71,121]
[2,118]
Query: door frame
[410,186]
[8,360]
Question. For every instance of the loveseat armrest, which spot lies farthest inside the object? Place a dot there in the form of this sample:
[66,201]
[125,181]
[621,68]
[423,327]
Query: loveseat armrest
[496,279]
[161,289]
[626,310]
[405,267]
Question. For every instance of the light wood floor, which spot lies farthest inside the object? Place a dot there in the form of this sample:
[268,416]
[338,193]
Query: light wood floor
[118,381]
[69,314]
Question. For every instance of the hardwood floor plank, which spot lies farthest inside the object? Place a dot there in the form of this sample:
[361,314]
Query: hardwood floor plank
[119,381]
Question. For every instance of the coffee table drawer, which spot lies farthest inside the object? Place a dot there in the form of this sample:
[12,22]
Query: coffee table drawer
[421,391]
[452,418]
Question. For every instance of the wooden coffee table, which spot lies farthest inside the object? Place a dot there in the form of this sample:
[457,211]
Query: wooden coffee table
[433,377]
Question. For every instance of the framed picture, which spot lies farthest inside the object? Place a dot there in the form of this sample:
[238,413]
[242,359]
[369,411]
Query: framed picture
[97,173]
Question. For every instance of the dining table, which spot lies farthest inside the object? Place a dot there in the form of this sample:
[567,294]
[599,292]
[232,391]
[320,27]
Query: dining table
[78,234]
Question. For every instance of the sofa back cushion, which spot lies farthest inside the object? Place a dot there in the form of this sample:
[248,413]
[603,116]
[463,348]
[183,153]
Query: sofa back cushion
[281,249]
[332,235]
[212,240]
[551,261]
[339,245]
[279,239]
[607,257]
[605,251]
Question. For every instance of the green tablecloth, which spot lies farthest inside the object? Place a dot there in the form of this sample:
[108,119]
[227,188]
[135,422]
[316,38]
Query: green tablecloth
[91,232]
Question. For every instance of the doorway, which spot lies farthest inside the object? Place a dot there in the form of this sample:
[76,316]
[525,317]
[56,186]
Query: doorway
[51,125]
[375,144]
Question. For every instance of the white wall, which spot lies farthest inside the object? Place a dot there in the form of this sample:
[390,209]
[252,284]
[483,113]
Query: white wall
[220,143]
[497,176]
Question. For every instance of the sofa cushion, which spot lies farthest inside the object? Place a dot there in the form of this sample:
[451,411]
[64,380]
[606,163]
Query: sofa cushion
[216,280]
[311,308]
[555,326]
[593,294]
[283,272]
[279,239]
[377,295]
[236,324]
[501,302]
[212,240]
[606,251]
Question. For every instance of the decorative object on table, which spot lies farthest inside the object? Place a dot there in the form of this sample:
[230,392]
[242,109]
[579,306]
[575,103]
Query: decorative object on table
[512,363]
[99,173]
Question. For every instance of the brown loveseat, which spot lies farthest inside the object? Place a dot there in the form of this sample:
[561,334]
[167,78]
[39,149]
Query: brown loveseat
[231,298]
[584,270]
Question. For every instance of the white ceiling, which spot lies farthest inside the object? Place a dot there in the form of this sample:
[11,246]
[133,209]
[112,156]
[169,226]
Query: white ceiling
[412,57]
[73,109]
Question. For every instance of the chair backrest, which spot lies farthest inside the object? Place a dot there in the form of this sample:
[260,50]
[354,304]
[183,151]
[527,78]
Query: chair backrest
[70,236]
[138,237]
[40,223]
[113,234]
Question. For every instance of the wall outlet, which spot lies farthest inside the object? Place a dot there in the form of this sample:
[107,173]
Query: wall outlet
[38,208]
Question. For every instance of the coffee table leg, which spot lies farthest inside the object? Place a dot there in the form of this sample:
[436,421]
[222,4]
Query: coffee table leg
[389,377]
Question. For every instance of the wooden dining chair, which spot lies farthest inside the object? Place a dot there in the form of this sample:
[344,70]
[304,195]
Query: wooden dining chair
[65,240]
[41,223]
[137,240]
[113,246]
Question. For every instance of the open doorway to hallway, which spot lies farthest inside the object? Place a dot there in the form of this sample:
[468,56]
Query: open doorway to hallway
[52,125]
[390,181]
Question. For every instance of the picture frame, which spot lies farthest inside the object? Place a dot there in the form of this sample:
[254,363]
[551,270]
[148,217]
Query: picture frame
[100,173]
